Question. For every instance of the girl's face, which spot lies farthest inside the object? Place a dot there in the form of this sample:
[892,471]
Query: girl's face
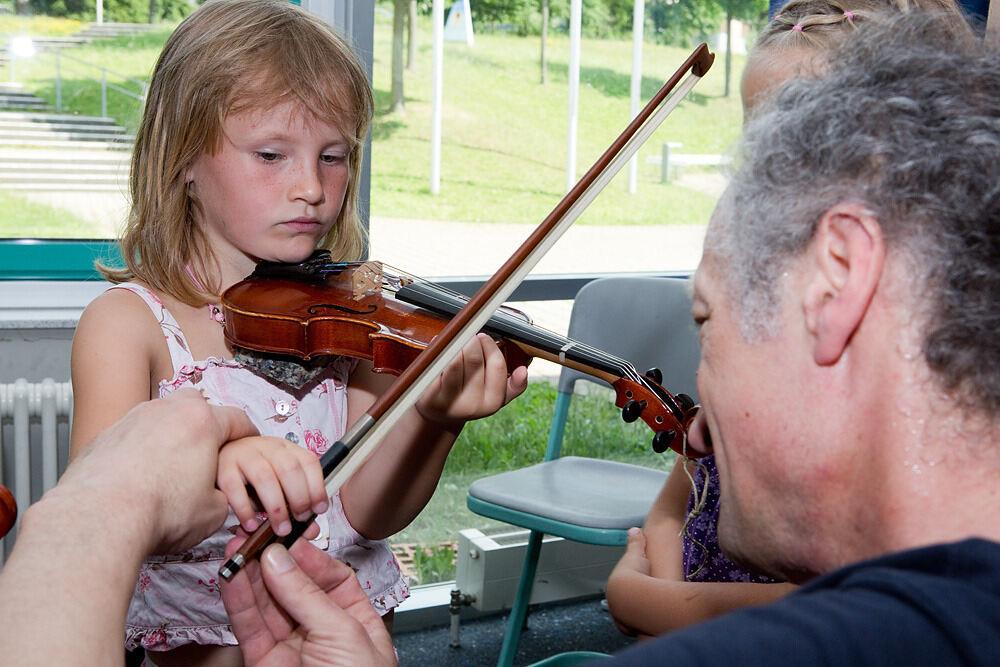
[273,189]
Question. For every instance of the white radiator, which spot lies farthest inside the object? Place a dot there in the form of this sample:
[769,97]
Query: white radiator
[34,440]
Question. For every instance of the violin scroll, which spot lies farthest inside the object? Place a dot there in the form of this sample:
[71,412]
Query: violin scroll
[668,415]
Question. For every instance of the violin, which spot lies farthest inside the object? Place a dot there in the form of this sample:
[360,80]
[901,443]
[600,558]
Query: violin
[320,308]
[8,510]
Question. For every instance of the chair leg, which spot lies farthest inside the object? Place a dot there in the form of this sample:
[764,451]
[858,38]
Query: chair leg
[519,610]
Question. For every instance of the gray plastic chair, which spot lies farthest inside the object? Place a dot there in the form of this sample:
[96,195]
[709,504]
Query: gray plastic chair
[643,320]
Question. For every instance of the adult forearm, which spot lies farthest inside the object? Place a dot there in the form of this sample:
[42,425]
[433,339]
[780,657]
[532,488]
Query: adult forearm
[64,591]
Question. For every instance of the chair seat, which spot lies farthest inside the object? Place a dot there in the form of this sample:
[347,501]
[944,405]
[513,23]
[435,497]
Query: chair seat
[581,491]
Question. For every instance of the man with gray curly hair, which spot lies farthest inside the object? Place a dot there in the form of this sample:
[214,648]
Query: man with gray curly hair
[848,301]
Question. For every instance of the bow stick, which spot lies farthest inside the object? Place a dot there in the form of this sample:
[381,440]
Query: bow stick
[347,454]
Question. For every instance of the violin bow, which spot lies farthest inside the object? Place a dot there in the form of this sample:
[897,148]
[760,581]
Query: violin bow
[346,455]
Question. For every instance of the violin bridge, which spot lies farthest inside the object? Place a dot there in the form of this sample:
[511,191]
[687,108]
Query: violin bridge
[367,279]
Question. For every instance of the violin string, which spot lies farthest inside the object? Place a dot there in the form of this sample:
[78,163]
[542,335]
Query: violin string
[557,342]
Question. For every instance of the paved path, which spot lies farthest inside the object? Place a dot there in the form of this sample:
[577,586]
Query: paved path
[433,248]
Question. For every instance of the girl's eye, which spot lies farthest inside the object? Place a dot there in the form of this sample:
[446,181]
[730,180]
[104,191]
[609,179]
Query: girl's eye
[268,156]
[332,158]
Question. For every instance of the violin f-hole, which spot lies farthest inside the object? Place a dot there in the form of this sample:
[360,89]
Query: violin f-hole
[316,309]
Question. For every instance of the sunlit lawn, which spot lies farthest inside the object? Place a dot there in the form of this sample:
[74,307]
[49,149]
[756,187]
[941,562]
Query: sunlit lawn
[22,217]
[504,134]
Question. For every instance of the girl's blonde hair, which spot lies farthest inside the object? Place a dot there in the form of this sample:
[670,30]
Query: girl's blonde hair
[824,24]
[231,56]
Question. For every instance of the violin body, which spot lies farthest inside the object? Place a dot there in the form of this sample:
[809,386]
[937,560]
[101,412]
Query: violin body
[342,312]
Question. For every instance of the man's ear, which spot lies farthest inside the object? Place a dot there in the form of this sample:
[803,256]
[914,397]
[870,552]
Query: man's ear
[849,255]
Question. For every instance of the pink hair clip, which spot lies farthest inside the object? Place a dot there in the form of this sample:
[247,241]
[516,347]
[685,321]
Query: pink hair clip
[849,15]
[797,27]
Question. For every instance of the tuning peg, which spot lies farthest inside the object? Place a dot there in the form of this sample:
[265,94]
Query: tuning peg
[662,440]
[655,375]
[632,410]
[686,402]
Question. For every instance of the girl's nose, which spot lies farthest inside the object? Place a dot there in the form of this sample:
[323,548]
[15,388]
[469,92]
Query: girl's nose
[699,437]
[308,186]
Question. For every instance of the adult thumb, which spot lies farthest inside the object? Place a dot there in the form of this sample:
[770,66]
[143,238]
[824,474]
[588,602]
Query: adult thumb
[333,635]
[294,590]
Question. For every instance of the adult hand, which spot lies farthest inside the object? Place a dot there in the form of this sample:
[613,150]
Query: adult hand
[159,462]
[300,607]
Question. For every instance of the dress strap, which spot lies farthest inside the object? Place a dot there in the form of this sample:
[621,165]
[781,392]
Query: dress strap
[180,353]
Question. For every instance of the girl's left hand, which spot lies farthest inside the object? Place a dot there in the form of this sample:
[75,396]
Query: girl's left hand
[286,479]
[474,385]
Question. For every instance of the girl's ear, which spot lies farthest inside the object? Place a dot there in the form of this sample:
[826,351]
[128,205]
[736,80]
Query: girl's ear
[849,256]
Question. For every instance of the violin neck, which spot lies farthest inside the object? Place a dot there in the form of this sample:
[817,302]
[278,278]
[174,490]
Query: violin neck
[536,341]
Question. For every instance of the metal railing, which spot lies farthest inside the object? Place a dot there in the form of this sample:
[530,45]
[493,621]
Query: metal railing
[57,59]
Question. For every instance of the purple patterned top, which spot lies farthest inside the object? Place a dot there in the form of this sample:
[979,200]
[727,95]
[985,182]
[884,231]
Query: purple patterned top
[703,528]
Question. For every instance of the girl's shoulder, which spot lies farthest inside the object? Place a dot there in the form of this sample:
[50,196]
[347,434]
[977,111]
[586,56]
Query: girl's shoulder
[125,300]
[122,313]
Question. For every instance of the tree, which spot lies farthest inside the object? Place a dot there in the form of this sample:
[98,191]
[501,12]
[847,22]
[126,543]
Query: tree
[744,10]
[411,38]
[401,8]
[545,36]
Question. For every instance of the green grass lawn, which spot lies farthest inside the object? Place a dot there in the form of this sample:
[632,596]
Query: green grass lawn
[503,134]
[516,437]
[18,215]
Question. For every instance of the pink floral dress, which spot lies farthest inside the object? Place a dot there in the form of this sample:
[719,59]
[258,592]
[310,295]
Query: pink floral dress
[177,598]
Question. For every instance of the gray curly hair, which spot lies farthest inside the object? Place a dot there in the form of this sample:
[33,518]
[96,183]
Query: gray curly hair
[907,123]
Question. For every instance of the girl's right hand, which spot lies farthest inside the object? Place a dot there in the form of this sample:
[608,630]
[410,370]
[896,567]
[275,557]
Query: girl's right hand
[285,478]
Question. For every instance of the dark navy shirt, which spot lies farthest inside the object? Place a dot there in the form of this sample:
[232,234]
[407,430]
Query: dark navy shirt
[936,605]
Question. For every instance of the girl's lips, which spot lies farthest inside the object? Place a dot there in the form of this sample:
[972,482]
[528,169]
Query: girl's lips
[302,224]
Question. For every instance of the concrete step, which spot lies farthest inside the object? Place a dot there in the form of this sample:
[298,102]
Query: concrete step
[23,104]
[73,170]
[33,158]
[13,96]
[36,169]
[57,118]
[57,42]
[105,145]
[15,125]
[106,30]
[49,129]
[64,187]
[35,137]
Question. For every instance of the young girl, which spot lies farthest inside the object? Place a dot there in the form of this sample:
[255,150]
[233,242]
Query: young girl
[674,573]
[250,149]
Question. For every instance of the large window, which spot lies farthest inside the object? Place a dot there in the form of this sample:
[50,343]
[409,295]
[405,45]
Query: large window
[503,167]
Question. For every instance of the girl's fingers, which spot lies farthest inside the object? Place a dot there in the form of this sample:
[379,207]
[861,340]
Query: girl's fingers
[320,499]
[301,476]
[231,483]
[264,480]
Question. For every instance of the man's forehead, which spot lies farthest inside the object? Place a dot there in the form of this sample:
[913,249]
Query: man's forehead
[705,275]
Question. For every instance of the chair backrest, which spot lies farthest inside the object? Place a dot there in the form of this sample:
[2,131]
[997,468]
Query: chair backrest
[644,320]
